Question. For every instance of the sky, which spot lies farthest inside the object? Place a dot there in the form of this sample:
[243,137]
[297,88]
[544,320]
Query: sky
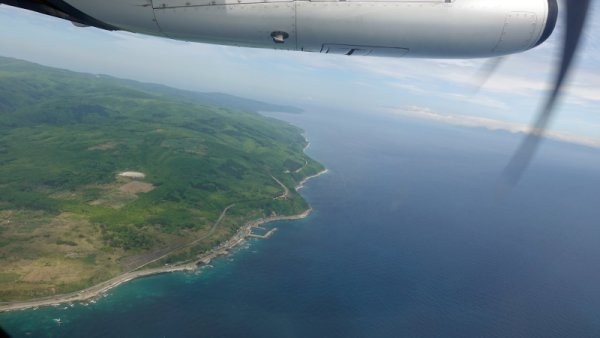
[438,90]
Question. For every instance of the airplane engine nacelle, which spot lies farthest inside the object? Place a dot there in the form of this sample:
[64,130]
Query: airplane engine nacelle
[410,28]
[444,28]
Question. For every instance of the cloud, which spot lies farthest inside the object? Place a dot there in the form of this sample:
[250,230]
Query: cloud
[491,124]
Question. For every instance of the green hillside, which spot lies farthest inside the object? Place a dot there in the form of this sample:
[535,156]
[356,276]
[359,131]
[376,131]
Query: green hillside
[67,220]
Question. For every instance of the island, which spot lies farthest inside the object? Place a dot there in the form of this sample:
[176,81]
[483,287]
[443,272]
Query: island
[104,180]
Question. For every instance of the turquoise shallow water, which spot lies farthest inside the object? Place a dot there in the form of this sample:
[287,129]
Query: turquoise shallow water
[408,238]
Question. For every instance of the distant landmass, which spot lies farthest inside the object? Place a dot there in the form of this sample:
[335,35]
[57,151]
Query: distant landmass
[217,99]
[101,176]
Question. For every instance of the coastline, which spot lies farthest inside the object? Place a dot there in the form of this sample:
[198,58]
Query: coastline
[223,249]
[308,178]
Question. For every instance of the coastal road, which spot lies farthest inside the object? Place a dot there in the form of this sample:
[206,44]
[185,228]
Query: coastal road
[286,191]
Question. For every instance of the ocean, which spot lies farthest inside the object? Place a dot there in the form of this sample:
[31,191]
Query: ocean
[410,237]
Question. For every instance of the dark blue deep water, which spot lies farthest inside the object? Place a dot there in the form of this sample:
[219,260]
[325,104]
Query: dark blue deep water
[410,238]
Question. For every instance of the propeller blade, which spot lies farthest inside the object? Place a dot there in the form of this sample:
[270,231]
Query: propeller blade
[576,15]
[485,73]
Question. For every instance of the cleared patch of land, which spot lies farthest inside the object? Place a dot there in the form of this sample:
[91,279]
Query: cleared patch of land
[136,187]
[51,254]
